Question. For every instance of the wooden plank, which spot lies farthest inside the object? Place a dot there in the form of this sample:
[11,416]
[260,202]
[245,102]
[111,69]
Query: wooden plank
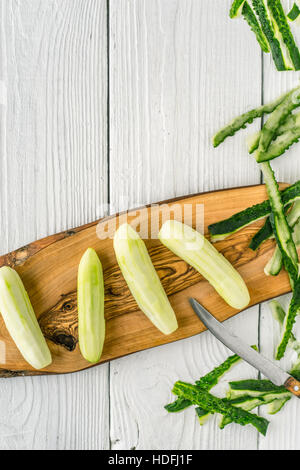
[179,70]
[49,269]
[282,433]
[53,167]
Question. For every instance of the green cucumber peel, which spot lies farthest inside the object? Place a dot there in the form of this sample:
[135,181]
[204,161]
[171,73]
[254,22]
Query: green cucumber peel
[280,145]
[249,16]
[202,415]
[241,122]
[274,265]
[248,403]
[292,123]
[279,315]
[266,231]
[262,235]
[91,321]
[197,251]
[294,13]
[178,405]
[276,405]
[20,320]
[289,321]
[279,223]
[254,388]
[236,8]
[278,14]
[225,228]
[209,402]
[267,26]
[277,117]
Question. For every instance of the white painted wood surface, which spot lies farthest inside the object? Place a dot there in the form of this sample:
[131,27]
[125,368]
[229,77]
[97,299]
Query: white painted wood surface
[178,70]
[54,176]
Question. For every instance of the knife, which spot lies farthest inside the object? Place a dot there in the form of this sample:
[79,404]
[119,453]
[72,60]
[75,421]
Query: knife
[239,347]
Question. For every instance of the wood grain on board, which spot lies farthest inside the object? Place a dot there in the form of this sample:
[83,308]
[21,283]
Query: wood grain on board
[49,271]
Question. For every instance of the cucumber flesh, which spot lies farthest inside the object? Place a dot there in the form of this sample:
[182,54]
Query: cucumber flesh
[91,321]
[278,14]
[277,118]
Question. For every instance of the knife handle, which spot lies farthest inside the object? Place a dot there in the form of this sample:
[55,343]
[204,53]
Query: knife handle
[293,386]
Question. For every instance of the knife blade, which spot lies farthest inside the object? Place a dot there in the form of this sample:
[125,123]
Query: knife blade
[239,347]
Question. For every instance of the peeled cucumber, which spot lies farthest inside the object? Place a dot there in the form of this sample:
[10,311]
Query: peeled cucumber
[142,279]
[21,321]
[193,248]
[91,321]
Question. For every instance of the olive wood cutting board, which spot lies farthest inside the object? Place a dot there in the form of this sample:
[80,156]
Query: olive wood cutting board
[48,269]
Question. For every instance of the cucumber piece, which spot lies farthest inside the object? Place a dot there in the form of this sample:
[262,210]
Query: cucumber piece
[274,265]
[294,13]
[251,19]
[209,402]
[278,14]
[289,321]
[193,248]
[21,321]
[276,405]
[247,118]
[277,117]
[245,402]
[142,279]
[236,8]
[91,321]
[225,228]
[252,142]
[262,12]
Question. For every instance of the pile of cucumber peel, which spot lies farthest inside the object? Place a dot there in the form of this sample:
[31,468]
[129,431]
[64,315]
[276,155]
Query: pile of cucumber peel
[282,211]
[270,24]
[241,398]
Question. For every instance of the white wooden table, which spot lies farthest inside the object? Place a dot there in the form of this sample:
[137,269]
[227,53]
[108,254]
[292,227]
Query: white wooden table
[116,102]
